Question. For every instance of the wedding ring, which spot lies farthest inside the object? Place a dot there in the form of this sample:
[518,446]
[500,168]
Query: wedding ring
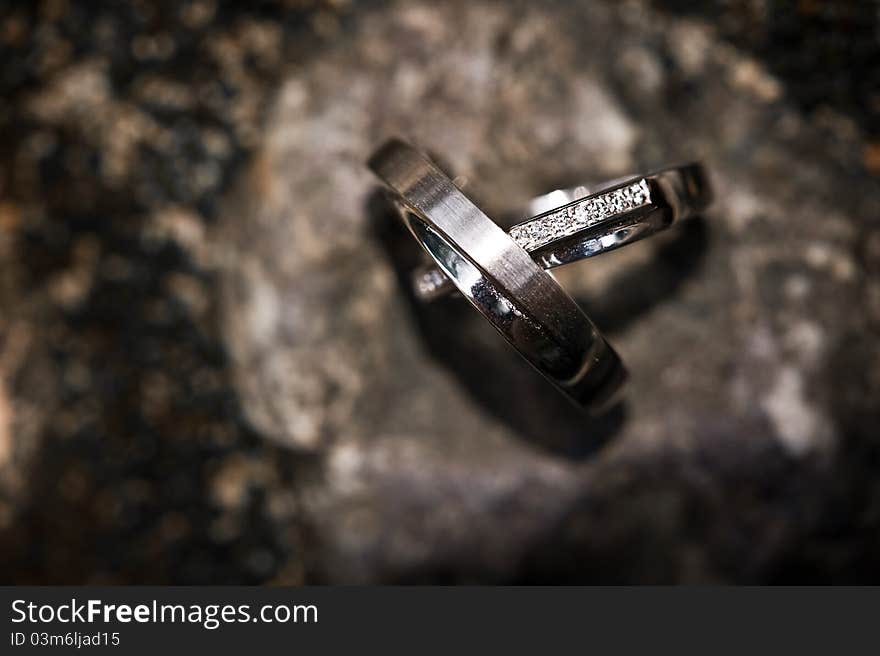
[568,225]
[499,278]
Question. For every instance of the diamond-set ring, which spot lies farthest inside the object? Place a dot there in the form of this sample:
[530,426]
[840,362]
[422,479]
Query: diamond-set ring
[572,224]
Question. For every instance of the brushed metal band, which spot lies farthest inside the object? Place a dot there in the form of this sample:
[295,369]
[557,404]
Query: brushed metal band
[524,303]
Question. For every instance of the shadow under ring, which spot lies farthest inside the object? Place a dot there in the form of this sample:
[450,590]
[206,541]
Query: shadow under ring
[523,302]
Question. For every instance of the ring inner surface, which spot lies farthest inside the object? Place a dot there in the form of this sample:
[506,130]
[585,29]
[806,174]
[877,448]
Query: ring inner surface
[561,363]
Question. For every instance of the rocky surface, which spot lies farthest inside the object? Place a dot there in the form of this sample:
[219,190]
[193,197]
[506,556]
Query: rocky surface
[211,369]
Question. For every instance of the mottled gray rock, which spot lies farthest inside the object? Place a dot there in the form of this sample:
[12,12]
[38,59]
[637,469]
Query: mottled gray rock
[437,454]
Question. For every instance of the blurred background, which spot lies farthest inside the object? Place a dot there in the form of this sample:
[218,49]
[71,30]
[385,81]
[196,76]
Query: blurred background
[212,370]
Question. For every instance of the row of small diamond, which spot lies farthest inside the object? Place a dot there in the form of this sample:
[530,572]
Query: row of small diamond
[579,216]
